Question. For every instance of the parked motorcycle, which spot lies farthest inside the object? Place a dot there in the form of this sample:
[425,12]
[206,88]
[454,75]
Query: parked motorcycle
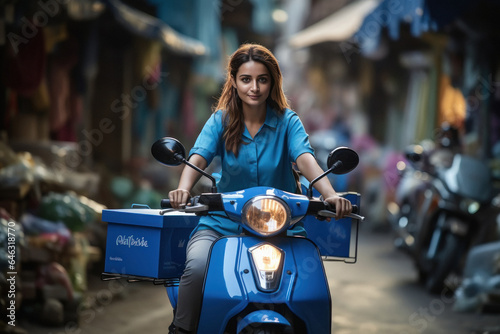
[442,211]
[267,282]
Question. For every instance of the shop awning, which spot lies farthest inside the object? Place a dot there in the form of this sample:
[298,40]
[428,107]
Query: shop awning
[149,26]
[420,15]
[339,26]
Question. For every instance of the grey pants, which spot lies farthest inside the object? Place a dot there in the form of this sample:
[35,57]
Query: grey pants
[191,283]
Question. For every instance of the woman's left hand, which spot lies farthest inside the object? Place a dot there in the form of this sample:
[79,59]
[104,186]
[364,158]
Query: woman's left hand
[342,206]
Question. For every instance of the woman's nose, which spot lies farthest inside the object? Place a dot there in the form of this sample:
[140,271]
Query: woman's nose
[255,86]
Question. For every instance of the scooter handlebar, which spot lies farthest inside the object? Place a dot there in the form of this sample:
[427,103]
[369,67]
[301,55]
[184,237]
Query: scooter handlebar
[315,205]
[198,204]
[319,208]
[165,203]
[213,202]
[355,208]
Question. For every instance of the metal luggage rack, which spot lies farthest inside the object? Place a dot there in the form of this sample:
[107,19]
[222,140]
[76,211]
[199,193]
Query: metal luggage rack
[134,279]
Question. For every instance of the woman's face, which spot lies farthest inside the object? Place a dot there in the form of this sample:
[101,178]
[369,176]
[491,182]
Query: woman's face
[253,83]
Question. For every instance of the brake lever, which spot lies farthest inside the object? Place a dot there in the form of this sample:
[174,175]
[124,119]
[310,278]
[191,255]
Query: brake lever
[331,214]
[196,208]
[165,211]
[188,209]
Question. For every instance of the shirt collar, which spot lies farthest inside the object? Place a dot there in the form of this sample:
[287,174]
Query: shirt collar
[271,121]
[271,118]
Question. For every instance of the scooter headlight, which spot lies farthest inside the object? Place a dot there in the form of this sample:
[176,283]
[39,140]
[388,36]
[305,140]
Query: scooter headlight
[267,260]
[266,215]
[470,206]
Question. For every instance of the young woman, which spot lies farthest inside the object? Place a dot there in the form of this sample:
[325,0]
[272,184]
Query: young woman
[257,137]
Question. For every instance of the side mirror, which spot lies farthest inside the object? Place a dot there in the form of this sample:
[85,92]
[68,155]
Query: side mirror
[170,152]
[349,160]
[341,160]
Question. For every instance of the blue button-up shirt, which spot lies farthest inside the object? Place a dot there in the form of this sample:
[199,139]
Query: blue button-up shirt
[264,160]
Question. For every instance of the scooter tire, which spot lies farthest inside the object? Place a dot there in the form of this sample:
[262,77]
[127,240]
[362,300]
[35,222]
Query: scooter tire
[448,255]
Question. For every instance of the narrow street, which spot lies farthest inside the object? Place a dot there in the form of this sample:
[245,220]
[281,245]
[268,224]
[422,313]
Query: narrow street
[103,104]
[378,294]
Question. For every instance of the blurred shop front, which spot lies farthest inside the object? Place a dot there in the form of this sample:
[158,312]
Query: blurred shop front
[394,71]
[87,87]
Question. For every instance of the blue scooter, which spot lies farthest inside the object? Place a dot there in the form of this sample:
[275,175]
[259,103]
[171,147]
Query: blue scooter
[264,281]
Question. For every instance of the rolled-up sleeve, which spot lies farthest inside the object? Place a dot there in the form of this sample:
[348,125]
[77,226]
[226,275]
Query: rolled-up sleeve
[298,139]
[207,143]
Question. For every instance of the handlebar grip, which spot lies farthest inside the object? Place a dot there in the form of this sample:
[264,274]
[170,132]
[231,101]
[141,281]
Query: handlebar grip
[355,208]
[165,204]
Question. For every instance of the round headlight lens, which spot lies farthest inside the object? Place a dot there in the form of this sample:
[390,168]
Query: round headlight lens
[470,206]
[266,215]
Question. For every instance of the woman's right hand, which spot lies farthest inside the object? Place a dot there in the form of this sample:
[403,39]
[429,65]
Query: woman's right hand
[178,198]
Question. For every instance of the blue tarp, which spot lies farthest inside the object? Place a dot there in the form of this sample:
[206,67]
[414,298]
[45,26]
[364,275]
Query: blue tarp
[149,26]
[420,15]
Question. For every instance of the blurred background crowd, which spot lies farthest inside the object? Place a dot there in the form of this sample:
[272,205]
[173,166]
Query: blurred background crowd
[88,85]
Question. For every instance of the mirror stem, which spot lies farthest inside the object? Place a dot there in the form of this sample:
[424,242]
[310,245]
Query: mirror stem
[310,189]
[184,161]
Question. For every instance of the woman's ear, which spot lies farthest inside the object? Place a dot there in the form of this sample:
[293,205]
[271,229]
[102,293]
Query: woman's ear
[233,82]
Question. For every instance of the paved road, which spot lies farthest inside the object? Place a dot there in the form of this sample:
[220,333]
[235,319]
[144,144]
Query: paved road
[378,294]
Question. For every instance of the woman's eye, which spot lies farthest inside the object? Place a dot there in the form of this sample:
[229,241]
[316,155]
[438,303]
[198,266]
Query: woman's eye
[245,80]
[263,80]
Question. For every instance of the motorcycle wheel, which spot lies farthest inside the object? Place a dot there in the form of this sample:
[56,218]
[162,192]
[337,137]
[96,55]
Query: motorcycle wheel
[447,258]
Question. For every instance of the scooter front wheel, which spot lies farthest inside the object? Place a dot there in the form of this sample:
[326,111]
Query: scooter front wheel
[444,263]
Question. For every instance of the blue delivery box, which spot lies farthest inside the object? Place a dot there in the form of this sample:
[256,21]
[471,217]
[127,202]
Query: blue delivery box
[144,243]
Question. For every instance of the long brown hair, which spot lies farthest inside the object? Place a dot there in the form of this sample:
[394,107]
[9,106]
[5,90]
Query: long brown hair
[231,104]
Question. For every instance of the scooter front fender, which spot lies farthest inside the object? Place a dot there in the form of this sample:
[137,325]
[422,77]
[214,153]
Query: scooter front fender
[264,317]
[230,291]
